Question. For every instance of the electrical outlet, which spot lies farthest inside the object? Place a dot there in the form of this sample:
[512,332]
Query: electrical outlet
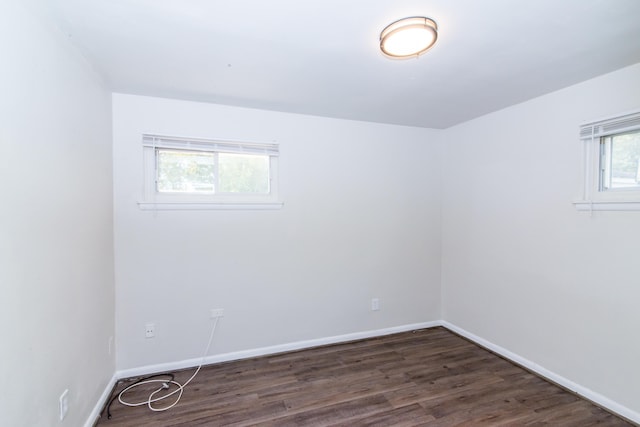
[375,304]
[217,312]
[150,330]
[64,404]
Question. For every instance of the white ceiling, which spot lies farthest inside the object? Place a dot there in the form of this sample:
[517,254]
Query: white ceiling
[322,57]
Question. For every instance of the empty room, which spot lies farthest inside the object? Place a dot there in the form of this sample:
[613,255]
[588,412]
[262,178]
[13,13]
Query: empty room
[320,213]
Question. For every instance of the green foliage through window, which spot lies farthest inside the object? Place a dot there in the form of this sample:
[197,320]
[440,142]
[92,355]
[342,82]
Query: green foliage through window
[204,172]
[243,173]
[185,171]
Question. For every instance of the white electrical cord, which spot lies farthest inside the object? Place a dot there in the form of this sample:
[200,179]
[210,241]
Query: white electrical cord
[165,384]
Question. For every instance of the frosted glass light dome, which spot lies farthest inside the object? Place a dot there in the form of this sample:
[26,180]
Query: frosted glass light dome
[408,37]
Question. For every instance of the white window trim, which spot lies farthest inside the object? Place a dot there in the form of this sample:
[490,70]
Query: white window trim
[154,201]
[203,206]
[590,135]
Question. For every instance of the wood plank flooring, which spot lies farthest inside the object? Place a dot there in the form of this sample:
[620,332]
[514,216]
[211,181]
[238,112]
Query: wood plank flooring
[429,377]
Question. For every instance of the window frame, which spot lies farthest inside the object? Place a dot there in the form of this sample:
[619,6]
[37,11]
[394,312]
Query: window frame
[591,137]
[153,199]
[605,178]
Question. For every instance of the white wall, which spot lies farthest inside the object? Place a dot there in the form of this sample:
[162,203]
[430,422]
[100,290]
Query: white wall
[361,219]
[521,267]
[56,246]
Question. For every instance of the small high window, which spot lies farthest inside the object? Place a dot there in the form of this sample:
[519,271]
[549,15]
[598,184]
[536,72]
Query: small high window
[612,163]
[190,173]
[620,161]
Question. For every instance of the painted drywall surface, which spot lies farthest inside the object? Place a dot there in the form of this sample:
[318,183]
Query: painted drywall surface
[521,267]
[56,244]
[361,219]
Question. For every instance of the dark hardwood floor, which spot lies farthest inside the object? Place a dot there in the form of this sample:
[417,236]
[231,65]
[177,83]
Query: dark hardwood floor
[429,377]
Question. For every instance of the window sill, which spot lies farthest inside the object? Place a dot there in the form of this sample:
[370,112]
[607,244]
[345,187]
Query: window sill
[592,205]
[208,206]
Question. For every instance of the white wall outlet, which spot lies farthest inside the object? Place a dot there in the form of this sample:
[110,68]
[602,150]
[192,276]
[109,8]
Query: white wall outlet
[150,330]
[217,312]
[64,404]
[375,304]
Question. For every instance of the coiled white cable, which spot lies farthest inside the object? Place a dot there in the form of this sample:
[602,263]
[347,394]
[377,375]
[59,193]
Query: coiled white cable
[165,384]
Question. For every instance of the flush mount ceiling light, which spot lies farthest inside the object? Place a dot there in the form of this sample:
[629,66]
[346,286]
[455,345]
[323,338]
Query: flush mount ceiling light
[408,37]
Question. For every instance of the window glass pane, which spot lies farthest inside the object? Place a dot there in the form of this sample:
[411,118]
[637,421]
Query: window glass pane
[622,168]
[243,173]
[185,171]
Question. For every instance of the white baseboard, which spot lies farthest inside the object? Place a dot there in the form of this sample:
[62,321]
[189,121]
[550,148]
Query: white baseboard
[588,394]
[263,351]
[95,413]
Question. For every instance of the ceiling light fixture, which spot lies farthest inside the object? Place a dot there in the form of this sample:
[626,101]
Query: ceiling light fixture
[408,37]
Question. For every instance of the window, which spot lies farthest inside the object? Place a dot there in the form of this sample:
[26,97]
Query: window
[612,164]
[620,161]
[190,173]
